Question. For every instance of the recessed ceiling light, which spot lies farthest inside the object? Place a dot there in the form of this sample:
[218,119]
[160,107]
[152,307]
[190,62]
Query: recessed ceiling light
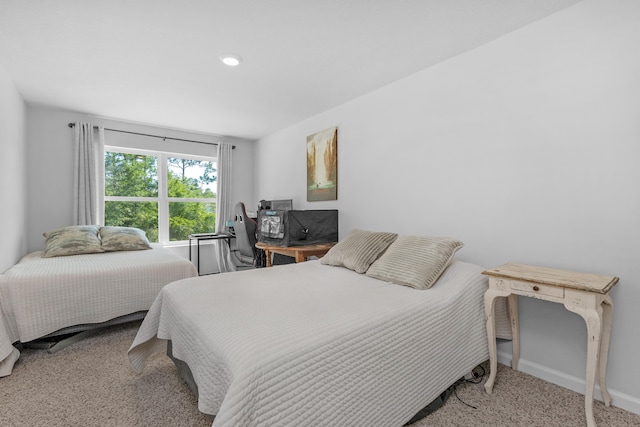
[231,59]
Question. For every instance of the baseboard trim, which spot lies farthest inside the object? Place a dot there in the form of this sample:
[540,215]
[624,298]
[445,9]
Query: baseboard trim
[618,399]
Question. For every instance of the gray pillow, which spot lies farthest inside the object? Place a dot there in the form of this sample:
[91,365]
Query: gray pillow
[123,239]
[415,261]
[358,250]
[72,240]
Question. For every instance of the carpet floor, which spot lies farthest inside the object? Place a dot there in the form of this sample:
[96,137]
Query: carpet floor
[91,384]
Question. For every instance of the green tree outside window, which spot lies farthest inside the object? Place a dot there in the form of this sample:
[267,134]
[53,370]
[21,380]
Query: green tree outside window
[132,196]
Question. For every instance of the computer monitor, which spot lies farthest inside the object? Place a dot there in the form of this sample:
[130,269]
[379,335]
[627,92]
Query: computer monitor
[276,205]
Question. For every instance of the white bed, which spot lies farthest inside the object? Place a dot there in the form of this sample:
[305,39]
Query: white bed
[310,344]
[39,296]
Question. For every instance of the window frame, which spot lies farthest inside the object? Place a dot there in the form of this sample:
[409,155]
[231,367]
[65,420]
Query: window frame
[163,198]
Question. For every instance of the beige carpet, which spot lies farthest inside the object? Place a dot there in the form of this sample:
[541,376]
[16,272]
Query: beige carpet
[91,384]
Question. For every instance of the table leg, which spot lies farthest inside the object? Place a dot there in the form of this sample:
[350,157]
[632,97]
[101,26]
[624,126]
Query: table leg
[515,330]
[267,255]
[607,320]
[198,256]
[593,319]
[489,306]
[300,257]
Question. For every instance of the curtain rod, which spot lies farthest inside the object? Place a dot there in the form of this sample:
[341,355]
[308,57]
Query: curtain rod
[72,125]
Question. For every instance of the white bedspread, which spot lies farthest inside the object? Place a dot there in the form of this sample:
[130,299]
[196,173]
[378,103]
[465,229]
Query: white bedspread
[309,344]
[39,296]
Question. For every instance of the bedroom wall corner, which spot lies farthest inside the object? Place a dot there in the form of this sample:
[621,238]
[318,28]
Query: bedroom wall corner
[13,173]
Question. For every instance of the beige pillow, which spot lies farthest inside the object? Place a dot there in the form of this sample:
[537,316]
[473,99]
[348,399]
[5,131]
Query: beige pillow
[358,250]
[72,240]
[123,239]
[415,261]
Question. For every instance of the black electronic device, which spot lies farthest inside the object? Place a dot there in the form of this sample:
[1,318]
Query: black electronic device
[297,227]
[276,205]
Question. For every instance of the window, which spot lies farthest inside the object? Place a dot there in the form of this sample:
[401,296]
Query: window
[168,196]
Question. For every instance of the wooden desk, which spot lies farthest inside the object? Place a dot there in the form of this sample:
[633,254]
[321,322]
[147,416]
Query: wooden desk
[582,293]
[300,253]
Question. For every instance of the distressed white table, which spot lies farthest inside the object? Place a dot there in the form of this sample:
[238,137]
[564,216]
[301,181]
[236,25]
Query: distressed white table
[583,293]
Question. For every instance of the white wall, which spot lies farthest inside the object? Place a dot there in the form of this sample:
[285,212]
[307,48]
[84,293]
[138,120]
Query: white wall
[526,149]
[50,158]
[13,199]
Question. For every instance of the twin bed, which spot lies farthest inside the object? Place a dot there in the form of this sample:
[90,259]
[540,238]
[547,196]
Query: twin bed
[320,344]
[43,296]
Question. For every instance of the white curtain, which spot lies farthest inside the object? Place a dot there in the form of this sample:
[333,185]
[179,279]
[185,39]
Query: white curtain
[88,182]
[224,207]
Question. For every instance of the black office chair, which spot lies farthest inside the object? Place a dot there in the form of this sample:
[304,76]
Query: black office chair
[246,237]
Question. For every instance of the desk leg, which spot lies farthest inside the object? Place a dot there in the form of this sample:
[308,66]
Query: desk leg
[593,319]
[489,306]
[198,256]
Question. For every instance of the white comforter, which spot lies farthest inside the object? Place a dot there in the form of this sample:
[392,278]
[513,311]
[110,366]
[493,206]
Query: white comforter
[309,344]
[39,296]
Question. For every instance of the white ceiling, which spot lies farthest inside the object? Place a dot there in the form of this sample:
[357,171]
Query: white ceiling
[156,61]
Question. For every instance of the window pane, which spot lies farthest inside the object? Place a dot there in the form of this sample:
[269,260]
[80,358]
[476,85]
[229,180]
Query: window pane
[191,178]
[142,215]
[132,175]
[191,217]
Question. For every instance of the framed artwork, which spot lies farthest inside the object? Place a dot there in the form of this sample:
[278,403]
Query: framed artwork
[322,165]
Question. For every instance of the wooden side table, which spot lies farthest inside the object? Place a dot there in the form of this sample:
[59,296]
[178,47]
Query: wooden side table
[582,293]
[300,253]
